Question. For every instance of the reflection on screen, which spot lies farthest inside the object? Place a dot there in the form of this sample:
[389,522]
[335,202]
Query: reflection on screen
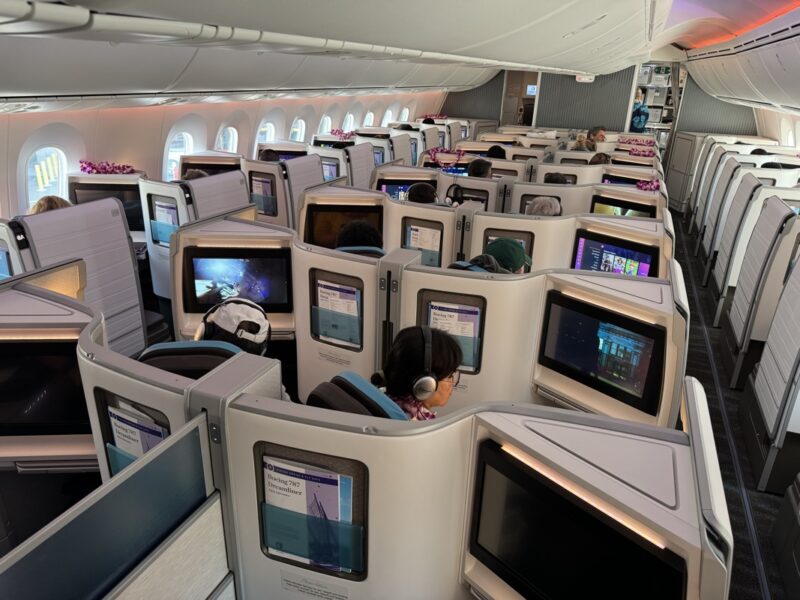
[128,195]
[607,208]
[598,349]
[262,194]
[337,314]
[166,213]
[571,179]
[426,239]
[396,191]
[441,139]
[464,132]
[463,322]
[5,264]
[288,155]
[455,169]
[620,180]
[262,280]
[469,195]
[377,155]
[593,255]
[330,170]
[42,390]
[325,222]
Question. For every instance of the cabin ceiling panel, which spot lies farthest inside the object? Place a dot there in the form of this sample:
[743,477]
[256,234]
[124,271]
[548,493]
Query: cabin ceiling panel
[214,69]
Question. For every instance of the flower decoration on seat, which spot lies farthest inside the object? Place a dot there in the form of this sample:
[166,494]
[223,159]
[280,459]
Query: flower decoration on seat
[434,154]
[105,168]
[646,152]
[649,186]
[636,141]
[342,134]
[433,116]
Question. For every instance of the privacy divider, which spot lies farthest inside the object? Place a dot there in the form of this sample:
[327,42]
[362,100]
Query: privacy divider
[326,209]
[211,162]
[400,148]
[598,199]
[268,191]
[301,173]
[334,161]
[361,163]
[430,137]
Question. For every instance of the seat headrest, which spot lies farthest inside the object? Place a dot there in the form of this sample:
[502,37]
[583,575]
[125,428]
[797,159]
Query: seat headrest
[189,359]
[363,251]
[375,401]
[328,395]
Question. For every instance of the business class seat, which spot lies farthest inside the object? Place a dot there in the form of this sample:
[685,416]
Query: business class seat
[188,359]
[349,392]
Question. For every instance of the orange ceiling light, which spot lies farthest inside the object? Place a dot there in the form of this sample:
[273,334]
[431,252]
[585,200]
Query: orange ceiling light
[786,8]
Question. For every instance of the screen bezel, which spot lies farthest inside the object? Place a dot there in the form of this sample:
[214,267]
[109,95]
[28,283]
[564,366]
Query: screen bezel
[314,275]
[527,236]
[273,183]
[314,209]
[491,454]
[650,400]
[426,296]
[437,225]
[77,186]
[653,252]
[646,208]
[190,303]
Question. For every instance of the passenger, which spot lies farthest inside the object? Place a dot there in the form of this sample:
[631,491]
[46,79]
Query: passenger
[596,134]
[359,234]
[428,121]
[405,375]
[545,206]
[496,152]
[422,193]
[510,254]
[759,152]
[48,203]
[268,155]
[584,144]
[640,114]
[479,168]
[405,127]
[601,158]
[194,174]
[555,178]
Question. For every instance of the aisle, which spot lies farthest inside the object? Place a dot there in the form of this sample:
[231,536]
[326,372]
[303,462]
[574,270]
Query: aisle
[755,572]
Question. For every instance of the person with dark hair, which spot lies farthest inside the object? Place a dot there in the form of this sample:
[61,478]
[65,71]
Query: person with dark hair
[359,234]
[479,168]
[405,127]
[640,113]
[268,155]
[596,134]
[496,151]
[416,387]
[555,178]
[759,152]
[428,121]
[194,174]
[422,193]
[601,158]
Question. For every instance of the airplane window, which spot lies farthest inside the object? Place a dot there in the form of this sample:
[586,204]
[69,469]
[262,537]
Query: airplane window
[228,139]
[368,119]
[181,143]
[404,114]
[349,122]
[325,125]
[387,118]
[266,133]
[298,131]
[46,174]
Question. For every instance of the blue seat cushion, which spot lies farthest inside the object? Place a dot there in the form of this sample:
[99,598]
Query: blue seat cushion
[189,359]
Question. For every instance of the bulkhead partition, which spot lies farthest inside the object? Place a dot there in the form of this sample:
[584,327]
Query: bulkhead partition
[336,302]
[301,173]
[644,246]
[430,137]
[361,163]
[429,228]
[137,536]
[268,191]
[500,324]
[514,169]
[598,199]
[98,233]
[400,148]
[667,495]
[487,192]
[211,162]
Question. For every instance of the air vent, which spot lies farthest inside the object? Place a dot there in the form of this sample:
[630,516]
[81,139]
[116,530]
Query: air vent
[18,107]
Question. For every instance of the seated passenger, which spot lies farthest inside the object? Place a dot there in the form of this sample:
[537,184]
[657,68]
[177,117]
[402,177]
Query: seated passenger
[194,174]
[509,254]
[496,152]
[481,263]
[759,152]
[359,234]
[422,193]
[428,121]
[555,178]
[596,134]
[584,144]
[545,206]
[420,371]
[601,158]
[479,168]
[268,155]
[48,203]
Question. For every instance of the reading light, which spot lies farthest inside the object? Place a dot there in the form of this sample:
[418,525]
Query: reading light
[601,505]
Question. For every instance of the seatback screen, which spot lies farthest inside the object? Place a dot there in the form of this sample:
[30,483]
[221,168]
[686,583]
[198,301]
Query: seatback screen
[621,208]
[263,194]
[211,168]
[127,194]
[617,355]
[377,155]
[261,275]
[5,264]
[597,252]
[330,168]
[426,236]
[325,221]
[398,188]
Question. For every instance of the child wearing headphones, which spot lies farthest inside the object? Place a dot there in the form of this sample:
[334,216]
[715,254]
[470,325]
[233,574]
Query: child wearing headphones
[421,371]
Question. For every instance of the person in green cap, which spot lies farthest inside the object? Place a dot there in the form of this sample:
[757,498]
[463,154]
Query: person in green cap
[510,254]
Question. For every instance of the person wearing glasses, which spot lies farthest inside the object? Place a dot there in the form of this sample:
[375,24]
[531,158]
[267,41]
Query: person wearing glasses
[419,388]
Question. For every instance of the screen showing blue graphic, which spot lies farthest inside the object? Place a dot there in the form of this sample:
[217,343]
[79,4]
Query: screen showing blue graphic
[5,264]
